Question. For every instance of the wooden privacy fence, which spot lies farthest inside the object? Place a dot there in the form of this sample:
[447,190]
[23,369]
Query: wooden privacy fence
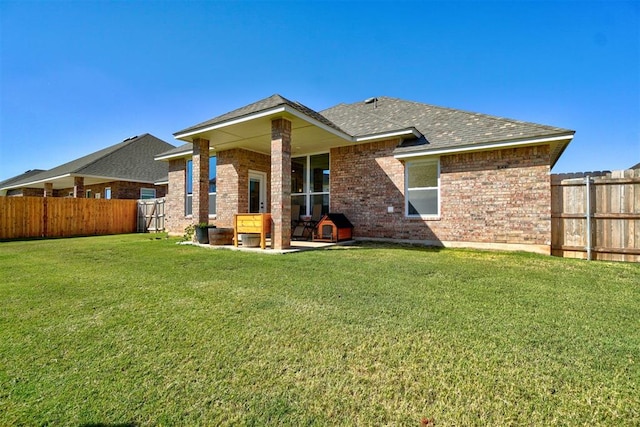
[596,216]
[151,215]
[27,217]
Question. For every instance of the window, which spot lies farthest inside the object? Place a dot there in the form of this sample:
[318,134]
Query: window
[147,193]
[189,187]
[422,183]
[310,183]
[88,194]
[212,187]
[107,193]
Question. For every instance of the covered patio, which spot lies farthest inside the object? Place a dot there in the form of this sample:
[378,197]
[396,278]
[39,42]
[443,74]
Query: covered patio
[254,147]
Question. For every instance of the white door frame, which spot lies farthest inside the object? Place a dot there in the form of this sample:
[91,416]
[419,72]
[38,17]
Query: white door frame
[261,177]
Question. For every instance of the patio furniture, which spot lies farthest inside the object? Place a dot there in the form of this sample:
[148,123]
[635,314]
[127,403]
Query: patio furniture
[259,223]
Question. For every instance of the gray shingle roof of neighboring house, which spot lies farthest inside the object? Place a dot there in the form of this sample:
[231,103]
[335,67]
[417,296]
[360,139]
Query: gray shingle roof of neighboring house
[264,104]
[441,128]
[20,177]
[129,160]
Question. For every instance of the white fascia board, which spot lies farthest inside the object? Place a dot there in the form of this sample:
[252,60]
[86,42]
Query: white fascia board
[38,181]
[386,135]
[172,156]
[482,147]
[232,122]
[265,113]
[113,178]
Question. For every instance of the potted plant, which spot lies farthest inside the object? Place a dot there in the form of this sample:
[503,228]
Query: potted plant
[202,232]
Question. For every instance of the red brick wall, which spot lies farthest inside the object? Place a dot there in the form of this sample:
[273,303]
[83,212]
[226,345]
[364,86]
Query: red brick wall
[232,187]
[501,196]
[175,219]
[119,190]
[232,181]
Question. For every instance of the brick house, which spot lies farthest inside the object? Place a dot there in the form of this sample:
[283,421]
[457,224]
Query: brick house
[126,170]
[397,169]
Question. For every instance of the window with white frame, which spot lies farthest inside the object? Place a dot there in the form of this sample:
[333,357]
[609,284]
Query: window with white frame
[147,193]
[422,183]
[212,187]
[310,184]
[107,193]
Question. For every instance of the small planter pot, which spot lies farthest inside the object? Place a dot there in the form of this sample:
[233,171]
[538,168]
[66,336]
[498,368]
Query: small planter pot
[250,240]
[202,234]
[220,236]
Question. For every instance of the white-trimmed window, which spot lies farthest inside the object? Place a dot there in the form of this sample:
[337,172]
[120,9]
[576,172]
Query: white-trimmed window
[212,187]
[422,184]
[147,193]
[310,183]
[107,193]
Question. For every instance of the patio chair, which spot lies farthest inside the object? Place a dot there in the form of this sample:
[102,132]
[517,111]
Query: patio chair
[295,215]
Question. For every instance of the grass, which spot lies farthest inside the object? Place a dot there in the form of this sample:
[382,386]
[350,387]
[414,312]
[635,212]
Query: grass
[134,330]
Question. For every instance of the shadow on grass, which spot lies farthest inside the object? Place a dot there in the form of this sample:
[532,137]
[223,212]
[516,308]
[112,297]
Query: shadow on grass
[372,244]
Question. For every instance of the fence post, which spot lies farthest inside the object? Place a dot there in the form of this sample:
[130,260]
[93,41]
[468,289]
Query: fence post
[588,216]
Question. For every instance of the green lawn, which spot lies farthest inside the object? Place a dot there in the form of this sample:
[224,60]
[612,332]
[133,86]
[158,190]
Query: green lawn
[135,330]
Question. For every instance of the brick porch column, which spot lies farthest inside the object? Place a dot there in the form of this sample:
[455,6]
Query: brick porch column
[200,180]
[48,189]
[281,183]
[78,187]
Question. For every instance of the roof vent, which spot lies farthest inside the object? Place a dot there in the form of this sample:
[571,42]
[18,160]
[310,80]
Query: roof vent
[373,101]
[130,138]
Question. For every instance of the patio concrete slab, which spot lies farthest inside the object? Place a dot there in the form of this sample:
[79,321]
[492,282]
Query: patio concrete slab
[296,246]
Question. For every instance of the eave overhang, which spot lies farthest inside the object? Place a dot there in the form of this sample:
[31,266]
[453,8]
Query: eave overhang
[557,142]
[305,128]
[67,181]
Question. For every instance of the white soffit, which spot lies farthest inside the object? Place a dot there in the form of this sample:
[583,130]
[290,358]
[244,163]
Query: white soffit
[482,147]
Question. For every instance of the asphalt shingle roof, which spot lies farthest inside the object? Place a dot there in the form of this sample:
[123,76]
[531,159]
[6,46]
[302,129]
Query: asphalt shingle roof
[131,159]
[264,104]
[20,177]
[442,127]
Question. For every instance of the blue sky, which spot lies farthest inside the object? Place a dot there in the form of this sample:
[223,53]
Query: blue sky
[78,76]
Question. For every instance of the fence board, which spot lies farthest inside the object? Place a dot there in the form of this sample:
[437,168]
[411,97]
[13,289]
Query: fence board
[614,213]
[28,217]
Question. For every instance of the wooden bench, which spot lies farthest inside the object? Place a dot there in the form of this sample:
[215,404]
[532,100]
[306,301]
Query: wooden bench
[259,223]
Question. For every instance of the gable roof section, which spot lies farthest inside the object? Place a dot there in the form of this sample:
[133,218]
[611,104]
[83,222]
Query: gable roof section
[264,105]
[129,160]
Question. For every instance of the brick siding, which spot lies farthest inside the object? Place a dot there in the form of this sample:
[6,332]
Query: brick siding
[501,196]
[493,197]
[232,186]
[232,181]
[175,219]
[119,190]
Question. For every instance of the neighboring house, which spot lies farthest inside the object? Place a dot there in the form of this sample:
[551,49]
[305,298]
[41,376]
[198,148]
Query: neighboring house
[397,169]
[23,176]
[123,171]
